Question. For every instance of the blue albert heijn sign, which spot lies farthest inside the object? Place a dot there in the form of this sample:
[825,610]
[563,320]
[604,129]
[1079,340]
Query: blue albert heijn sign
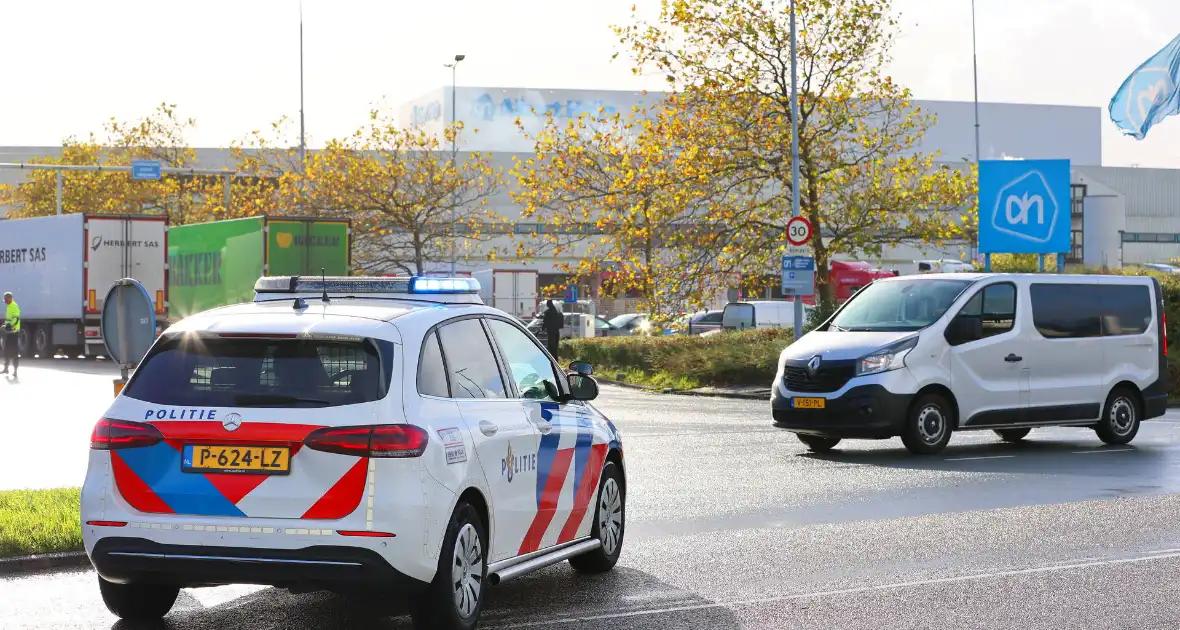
[1024,207]
[145,169]
[798,276]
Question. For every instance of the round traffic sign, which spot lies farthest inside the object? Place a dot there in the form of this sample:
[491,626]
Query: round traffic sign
[128,322]
[798,231]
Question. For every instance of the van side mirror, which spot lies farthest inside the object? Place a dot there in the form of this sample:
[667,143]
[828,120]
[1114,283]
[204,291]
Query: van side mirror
[964,330]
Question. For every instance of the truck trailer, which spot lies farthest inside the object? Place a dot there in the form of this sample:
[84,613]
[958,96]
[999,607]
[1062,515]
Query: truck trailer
[60,268]
[216,264]
[510,290]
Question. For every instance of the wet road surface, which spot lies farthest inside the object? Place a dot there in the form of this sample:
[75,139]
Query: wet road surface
[732,524]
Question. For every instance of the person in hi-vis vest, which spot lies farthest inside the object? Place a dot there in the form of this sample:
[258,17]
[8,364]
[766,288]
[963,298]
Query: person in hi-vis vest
[11,334]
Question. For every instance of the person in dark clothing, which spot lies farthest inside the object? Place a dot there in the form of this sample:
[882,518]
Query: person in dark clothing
[553,322]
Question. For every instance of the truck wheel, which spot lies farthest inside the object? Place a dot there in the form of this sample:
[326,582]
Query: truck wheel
[41,342]
[138,602]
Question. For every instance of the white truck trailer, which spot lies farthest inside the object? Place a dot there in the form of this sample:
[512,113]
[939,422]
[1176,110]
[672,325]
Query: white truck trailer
[510,290]
[59,269]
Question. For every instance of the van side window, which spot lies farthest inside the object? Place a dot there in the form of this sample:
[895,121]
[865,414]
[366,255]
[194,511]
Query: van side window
[1077,311]
[995,305]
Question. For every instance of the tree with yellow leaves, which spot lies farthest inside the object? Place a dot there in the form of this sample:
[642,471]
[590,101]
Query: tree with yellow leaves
[408,200]
[627,196]
[159,136]
[864,183]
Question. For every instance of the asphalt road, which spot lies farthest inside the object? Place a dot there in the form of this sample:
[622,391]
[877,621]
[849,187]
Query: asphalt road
[731,524]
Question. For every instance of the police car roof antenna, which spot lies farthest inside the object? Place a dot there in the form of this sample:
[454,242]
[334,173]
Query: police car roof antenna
[324,280]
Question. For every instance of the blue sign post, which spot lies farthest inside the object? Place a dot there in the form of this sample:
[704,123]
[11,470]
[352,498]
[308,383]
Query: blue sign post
[1024,208]
[798,276]
[145,169]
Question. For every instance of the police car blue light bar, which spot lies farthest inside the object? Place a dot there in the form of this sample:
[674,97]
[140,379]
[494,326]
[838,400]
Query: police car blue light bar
[359,285]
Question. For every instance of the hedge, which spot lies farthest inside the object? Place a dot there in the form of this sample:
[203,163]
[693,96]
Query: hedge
[750,357]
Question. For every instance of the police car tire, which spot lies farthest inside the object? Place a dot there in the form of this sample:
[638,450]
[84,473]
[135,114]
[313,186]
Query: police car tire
[599,561]
[138,601]
[435,608]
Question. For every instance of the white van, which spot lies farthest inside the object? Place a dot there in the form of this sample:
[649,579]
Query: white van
[922,356]
[761,314]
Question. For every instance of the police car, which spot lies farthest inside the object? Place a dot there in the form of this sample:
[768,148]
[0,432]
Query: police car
[351,434]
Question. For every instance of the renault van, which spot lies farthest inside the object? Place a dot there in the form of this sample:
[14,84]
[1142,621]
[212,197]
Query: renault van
[919,357]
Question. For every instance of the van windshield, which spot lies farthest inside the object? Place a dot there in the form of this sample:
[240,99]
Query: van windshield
[898,305]
[211,371]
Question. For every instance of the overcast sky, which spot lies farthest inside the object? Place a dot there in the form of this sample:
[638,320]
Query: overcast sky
[234,64]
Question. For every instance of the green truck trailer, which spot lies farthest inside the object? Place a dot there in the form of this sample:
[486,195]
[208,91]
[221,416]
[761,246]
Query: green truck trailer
[215,264]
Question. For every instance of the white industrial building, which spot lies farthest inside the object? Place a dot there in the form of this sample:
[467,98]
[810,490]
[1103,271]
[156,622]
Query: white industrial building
[1120,215]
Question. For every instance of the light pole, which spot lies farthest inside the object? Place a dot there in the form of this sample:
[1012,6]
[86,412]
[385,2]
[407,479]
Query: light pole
[975,78]
[454,153]
[302,141]
[795,155]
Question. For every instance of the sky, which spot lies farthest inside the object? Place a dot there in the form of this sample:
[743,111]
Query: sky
[233,65]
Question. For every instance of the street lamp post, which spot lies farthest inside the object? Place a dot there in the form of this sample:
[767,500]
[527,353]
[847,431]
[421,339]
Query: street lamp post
[454,153]
[975,78]
[795,211]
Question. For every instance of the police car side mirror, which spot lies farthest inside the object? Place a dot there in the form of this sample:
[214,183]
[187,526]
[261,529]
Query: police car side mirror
[583,387]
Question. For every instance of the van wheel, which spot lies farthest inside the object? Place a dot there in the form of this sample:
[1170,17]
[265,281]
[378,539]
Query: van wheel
[1120,417]
[454,600]
[928,426]
[138,601]
[818,443]
[1012,435]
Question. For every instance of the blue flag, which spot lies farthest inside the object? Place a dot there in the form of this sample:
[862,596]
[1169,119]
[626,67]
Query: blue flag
[1149,95]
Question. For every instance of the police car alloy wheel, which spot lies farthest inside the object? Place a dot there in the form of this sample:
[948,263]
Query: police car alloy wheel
[610,518]
[1120,417]
[454,600]
[138,602]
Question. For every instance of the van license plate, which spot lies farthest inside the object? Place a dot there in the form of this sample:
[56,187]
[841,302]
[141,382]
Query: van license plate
[809,403]
[250,460]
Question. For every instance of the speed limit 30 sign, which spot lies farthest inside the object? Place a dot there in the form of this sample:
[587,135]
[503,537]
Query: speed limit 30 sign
[798,231]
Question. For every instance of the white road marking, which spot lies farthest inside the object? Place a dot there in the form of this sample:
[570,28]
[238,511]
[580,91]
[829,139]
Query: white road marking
[1150,557]
[1113,450]
[963,459]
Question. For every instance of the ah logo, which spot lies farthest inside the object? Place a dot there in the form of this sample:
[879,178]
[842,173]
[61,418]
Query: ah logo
[1149,89]
[1026,208]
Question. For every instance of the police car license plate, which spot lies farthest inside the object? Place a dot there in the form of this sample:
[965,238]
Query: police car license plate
[256,460]
[808,403]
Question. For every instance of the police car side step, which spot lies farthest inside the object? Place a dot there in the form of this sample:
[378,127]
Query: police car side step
[498,575]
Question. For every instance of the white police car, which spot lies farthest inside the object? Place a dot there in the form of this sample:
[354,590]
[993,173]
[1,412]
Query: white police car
[348,434]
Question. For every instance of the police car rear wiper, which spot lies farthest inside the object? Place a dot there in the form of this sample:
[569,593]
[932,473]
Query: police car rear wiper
[246,400]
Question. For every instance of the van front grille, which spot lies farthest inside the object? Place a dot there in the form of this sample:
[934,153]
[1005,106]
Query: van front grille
[829,378]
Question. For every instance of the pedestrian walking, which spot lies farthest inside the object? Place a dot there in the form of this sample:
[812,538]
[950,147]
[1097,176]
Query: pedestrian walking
[553,322]
[11,334]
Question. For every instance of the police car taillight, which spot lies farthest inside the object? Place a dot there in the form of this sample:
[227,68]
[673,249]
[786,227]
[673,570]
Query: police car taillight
[383,440]
[113,435]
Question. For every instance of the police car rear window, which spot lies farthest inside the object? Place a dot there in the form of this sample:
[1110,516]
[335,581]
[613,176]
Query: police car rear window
[263,372]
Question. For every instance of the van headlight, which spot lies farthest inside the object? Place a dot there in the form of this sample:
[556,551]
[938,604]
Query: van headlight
[888,358]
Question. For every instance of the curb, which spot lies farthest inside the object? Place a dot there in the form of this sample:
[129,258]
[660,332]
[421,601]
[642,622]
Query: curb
[686,392]
[42,562]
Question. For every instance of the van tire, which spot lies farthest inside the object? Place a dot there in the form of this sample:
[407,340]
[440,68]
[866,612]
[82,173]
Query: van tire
[818,443]
[1012,435]
[1120,417]
[928,426]
[138,601]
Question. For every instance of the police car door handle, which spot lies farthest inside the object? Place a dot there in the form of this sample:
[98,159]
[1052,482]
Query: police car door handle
[488,428]
[544,426]
[1012,358]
